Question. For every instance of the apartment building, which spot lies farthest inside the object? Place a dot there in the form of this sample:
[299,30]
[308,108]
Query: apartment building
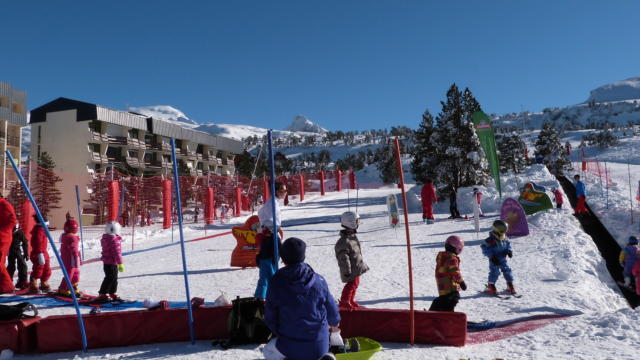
[84,138]
[13,116]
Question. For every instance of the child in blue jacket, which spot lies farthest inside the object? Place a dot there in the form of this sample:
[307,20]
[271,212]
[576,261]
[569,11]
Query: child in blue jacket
[299,309]
[497,248]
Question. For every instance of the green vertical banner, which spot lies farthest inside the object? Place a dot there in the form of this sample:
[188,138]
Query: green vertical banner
[488,142]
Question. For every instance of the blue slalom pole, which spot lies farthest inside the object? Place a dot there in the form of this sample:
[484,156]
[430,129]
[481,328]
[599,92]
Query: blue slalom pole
[53,247]
[80,221]
[184,259]
[272,171]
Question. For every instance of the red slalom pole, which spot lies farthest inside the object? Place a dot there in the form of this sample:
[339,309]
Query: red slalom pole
[406,227]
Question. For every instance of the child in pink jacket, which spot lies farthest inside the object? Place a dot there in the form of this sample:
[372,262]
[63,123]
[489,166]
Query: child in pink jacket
[70,257]
[636,272]
[112,262]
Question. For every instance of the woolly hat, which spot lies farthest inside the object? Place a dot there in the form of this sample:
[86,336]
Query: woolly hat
[292,251]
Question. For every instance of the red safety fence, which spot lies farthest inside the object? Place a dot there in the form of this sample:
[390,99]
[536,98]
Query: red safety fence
[596,168]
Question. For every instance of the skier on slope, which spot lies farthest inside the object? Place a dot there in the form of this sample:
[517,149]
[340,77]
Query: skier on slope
[497,248]
[40,258]
[264,239]
[18,257]
[558,198]
[70,257]
[428,197]
[448,275]
[477,197]
[350,261]
[628,257]
[112,263]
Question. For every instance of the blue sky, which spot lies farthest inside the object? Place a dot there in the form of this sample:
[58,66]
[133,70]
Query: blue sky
[347,65]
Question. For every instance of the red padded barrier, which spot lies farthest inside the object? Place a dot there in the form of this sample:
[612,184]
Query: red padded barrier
[338,180]
[352,180]
[125,328]
[113,201]
[432,327]
[166,204]
[208,205]
[301,180]
[238,204]
[18,335]
[322,182]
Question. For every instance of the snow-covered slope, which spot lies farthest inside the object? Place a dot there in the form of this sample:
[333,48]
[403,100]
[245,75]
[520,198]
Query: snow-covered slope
[165,112]
[628,89]
[301,123]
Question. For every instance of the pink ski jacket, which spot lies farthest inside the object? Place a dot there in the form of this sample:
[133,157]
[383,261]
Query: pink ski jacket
[111,249]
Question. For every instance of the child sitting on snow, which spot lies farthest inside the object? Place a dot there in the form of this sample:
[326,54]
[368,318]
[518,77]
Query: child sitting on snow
[350,261]
[448,276]
[497,247]
[70,257]
[628,257]
[112,260]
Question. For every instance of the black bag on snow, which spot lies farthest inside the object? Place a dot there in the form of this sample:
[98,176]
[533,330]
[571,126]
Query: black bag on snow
[13,312]
[246,323]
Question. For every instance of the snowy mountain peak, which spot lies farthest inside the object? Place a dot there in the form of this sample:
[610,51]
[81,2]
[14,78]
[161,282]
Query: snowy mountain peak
[164,112]
[301,123]
[628,89]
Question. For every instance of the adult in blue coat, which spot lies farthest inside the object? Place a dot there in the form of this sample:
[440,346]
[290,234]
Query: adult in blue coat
[581,196]
[497,248]
[299,309]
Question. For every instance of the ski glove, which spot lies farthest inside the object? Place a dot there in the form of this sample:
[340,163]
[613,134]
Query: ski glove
[509,254]
[121,268]
[494,260]
[41,258]
[463,286]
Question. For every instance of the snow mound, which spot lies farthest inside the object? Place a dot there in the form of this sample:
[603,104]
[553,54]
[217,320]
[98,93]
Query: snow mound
[164,112]
[301,123]
[628,89]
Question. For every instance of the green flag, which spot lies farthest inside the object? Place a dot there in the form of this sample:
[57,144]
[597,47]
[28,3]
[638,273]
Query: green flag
[488,142]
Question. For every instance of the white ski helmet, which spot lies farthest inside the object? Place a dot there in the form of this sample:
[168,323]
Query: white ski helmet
[112,228]
[350,219]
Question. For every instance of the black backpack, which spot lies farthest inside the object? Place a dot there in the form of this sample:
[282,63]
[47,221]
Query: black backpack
[246,323]
[13,312]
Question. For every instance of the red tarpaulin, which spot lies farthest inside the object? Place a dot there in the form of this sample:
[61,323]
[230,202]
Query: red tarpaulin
[166,204]
[27,222]
[113,201]
[238,199]
[301,179]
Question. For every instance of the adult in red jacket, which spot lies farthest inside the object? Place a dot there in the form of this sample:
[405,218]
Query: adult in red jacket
[7,224]
[40,258]
[429,197]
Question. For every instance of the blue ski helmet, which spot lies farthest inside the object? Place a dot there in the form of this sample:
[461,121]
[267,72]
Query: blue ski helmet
[633,240]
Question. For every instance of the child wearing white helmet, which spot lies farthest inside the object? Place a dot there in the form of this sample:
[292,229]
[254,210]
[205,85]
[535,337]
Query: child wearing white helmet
[112,260]
[350,261]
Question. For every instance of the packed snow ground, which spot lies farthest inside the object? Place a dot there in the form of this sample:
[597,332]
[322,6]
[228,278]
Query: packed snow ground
[557,269]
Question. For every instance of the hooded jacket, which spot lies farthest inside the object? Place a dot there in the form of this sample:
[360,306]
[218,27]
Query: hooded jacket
[494,247]
[299,310]
[111,249]
[349,256]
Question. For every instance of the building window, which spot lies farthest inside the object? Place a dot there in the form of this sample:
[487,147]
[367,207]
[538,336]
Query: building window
[39,135]
[95,126]
[94,148]
[133,154]
[113,153]
[133,133]
[18,108]
[4,101]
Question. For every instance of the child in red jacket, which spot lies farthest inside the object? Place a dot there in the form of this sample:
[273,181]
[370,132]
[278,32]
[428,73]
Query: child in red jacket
[448,276]
[40,258]
[112,260]
[70,257]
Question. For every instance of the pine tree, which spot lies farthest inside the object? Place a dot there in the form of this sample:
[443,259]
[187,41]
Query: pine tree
[244,164]
[387,165]
[553,153]
[45,190]
[45,161]
[459,155]
[511,153]
[424,161]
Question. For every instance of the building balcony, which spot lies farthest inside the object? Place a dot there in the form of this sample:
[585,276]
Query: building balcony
[188,153]
[127,141]
[13,141]
[98,137]
[198,172]
[99,158]
[133,162]
[158,147]
[199,157]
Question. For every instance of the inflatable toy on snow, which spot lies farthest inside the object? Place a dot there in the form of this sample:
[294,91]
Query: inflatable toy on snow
[244,254]
[533,198]
[513,214]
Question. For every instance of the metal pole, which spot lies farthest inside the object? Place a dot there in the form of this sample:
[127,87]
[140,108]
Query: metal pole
[273,200]
[630,196]
[406,227]
[83,334]
[184,259]
[80,220]
[606,179]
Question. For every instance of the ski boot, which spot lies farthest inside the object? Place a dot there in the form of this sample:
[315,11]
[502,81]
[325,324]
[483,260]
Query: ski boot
[328,356]
[22,285]
[62,292]
[33,286]
[44,286]
[510,288]
[115,298]
[491,289]
[75,289]
[101,299]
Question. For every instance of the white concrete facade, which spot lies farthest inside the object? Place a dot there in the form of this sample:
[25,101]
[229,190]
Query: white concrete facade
[13,117]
